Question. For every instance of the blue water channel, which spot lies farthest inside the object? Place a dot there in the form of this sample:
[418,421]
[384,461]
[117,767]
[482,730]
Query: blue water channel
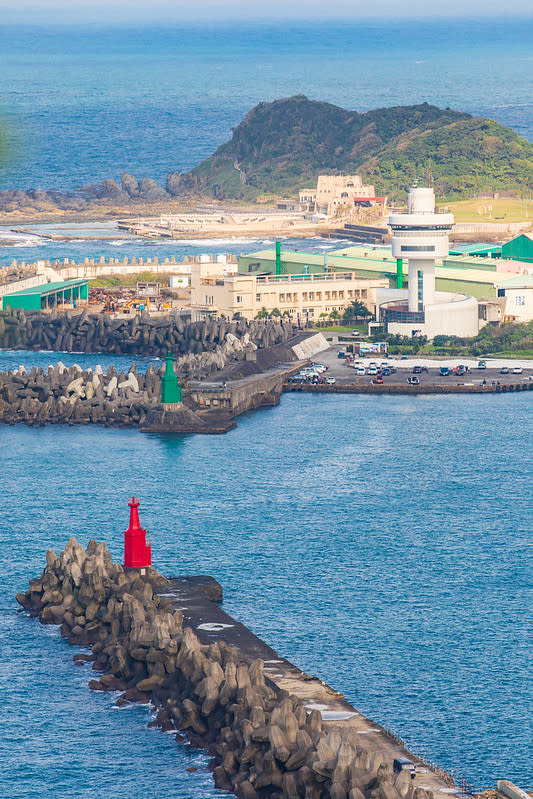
[382,543]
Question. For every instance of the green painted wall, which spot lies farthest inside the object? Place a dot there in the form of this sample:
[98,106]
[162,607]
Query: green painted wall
[519,249]
[27,302]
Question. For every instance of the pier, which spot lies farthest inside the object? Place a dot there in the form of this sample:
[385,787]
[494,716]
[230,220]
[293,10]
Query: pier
[273,731]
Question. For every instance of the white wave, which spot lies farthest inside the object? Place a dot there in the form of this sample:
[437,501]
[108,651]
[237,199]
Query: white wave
[117,242]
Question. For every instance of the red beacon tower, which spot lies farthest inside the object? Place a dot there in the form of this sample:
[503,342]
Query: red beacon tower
[137,553]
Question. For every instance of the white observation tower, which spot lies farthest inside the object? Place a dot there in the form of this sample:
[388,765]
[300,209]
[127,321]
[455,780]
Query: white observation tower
[420,236]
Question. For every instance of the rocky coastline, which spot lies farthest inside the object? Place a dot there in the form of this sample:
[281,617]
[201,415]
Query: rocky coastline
[263,740]
[105,200]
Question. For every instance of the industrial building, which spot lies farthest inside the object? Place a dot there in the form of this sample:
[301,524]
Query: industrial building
[215,292]
[69,293]
[520,248]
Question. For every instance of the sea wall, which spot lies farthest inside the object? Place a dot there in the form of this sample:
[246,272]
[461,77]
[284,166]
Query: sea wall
[142,334]
[263,740]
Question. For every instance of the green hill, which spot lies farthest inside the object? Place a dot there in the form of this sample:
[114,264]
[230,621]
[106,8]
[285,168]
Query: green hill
[282,146]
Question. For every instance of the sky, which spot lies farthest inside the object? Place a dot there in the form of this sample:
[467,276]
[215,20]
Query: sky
[157,11]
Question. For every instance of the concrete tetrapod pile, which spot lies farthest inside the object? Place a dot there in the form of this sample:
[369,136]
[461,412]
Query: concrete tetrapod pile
[75,396]
[264,741]
[139,335]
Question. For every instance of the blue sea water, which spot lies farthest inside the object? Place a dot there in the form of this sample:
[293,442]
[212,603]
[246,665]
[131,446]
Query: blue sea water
[84,103]
[381,543]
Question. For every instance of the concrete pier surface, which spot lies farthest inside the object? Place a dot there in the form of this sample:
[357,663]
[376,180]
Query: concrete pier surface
[211,624]
[273,731]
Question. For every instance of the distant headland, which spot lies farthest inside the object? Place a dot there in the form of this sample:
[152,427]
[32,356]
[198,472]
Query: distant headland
[282,146]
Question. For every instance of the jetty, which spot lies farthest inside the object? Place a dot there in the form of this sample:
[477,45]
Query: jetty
[272,730]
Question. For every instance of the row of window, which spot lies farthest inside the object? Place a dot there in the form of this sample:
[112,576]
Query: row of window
[310,296]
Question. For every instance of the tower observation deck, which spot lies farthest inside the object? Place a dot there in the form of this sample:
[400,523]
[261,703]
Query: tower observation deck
[421,237]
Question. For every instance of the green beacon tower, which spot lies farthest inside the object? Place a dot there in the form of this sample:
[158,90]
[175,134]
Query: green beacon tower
[170,388]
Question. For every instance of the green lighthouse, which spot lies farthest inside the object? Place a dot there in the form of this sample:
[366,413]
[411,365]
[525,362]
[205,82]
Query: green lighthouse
[170,388]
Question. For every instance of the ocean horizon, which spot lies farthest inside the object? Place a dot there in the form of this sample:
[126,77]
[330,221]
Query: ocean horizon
[84,103]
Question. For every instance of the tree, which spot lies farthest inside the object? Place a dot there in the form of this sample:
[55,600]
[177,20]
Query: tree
[262,314]
[276,312]
[356,310]
[334,314]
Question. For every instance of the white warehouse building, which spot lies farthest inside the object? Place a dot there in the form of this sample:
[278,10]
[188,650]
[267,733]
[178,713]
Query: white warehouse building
[421,237]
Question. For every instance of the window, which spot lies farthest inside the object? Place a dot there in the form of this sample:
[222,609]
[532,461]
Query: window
[258,298]
[304,296]
[239,298]
[311,295]
[418,248]
[420,290]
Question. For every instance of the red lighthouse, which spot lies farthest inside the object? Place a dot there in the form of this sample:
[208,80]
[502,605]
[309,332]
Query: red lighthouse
[137,553]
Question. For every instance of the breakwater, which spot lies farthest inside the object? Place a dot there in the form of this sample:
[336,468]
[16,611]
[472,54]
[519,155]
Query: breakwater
[405,388]
[74,396]
[272,730]
[201,347]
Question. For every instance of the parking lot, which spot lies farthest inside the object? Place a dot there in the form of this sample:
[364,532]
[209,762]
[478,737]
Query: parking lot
[344,372]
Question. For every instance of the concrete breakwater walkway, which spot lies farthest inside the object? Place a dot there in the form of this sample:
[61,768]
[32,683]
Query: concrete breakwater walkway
[272,730]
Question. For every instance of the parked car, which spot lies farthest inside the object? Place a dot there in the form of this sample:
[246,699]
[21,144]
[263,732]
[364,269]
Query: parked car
[413,381]
[481,364]
[517,370]
[296,379]
[386,371]
[372,370]
[504,370]
[341,354]
[356,332]
[330,381]
[460,371]
[378,380]
[444,371]
[360,370]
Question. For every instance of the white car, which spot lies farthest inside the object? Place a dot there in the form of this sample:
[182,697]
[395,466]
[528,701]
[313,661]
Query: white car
[360,370]
[320,367]
[372,370]
[330,381]
[384,364]
[517,370]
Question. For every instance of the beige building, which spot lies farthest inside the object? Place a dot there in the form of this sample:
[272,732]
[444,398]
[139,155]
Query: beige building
[304,295]
[333,193]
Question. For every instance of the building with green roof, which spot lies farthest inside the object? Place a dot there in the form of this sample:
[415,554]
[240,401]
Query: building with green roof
[49,295]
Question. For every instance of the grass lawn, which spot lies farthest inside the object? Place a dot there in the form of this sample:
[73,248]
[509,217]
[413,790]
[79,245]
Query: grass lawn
[344,329]
[504,210]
